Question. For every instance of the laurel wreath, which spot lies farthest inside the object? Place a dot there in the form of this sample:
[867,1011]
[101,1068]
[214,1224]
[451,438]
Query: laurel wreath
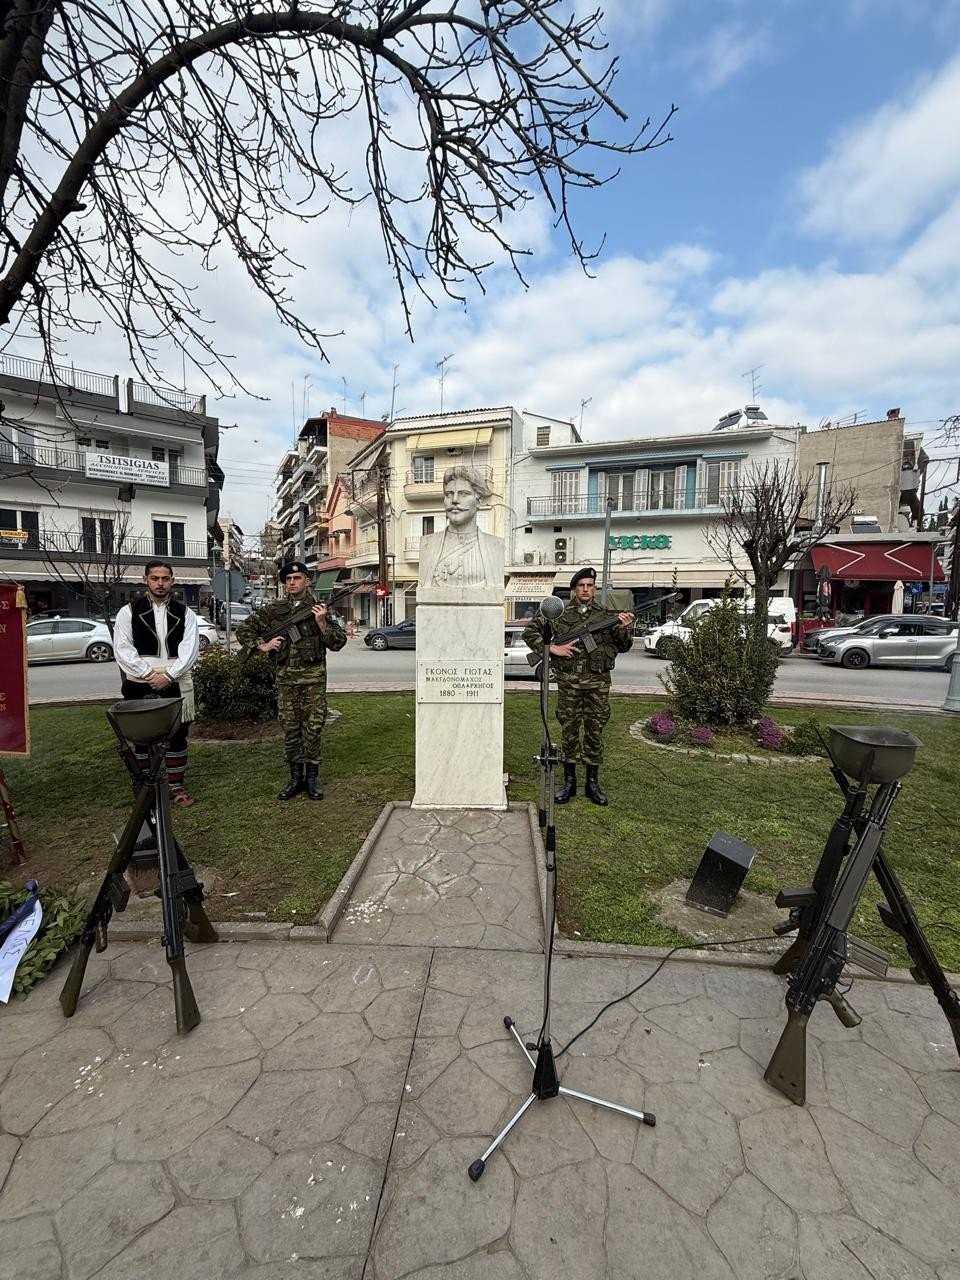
[63,917]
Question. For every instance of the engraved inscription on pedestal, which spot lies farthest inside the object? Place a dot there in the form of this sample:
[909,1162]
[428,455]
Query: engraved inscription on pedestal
[459,681]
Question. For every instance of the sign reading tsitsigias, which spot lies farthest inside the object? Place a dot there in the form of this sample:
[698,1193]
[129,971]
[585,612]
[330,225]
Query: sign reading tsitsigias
[14,725]
[113,466]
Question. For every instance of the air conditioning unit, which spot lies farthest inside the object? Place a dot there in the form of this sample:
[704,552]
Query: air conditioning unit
[533,557]
[563,550]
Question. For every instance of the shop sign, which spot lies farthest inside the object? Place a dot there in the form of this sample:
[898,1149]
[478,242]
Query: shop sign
[640,542]
[112,466]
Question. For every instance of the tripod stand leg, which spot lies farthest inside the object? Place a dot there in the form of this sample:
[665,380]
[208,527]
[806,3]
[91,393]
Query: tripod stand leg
[645,1117]
[476,1169]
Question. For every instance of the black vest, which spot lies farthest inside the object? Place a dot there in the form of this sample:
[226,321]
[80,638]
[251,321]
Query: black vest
[145,638]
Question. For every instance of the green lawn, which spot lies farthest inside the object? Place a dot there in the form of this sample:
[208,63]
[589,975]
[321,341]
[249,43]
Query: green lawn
[287,858]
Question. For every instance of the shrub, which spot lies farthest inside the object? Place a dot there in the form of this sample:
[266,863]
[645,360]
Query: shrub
[663,725]
[805,739]
[769,734]
[723,674]
[702,736]
[227,688]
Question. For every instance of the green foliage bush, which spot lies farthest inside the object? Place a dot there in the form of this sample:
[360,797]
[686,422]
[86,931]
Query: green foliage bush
[805,739]
[723,674]
[227,688]
[63,917]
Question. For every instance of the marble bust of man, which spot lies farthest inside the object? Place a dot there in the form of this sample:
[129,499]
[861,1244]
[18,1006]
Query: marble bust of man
[461,565]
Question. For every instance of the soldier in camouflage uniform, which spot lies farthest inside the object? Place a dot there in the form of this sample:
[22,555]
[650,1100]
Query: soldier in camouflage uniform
[583,682]
[301,675]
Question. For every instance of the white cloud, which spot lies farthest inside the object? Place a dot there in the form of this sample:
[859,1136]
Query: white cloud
[727,51]
[887,172]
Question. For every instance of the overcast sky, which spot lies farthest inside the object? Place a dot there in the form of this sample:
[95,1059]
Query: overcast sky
[805,222]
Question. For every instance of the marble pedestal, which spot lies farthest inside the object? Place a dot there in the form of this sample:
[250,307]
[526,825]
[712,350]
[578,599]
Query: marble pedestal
[459,707]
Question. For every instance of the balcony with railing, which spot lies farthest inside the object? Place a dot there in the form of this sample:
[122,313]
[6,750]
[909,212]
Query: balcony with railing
[95,544]
[589,506]
[411,550]
[72,462]
[364,552]
[63,380]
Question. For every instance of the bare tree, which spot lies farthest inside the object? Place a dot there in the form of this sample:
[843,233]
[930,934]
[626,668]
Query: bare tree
[763,519]
[133,134]
[97,556]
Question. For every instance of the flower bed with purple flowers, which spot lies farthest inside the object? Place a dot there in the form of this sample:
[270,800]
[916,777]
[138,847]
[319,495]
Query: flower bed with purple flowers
[764,739]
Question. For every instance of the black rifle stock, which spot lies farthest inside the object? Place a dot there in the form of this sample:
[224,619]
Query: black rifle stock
[112,895]
[818,971]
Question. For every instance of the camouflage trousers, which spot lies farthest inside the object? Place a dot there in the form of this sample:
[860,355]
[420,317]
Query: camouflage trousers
[302,710]
[583,708]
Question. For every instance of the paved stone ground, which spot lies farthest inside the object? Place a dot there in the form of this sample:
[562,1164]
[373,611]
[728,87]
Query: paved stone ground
[457,878]
[319,1123]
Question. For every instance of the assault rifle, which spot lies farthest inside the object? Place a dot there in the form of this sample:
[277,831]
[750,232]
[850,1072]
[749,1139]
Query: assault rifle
[582,635]
[147,837]
[290,629]
[822,912]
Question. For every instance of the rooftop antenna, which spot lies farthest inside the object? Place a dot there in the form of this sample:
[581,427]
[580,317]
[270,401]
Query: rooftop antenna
[583,405]
[393,392]
[754,381]
[344,381]
[442,366]
[363,404]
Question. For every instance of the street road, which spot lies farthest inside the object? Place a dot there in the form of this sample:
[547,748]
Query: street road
[356,665]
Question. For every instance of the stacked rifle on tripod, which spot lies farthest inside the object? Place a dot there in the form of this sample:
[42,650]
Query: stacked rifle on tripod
[146,842]
[861,757]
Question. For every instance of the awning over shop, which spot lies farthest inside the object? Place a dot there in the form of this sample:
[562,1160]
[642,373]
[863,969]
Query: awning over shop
[888,561]
[451,439]
[529,586]
[364,589]
[325,579]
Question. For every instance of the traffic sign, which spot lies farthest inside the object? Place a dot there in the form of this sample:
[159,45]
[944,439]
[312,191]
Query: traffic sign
[236,585]
[382,592]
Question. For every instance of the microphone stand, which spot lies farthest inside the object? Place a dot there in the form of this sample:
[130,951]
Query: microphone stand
[546,1083]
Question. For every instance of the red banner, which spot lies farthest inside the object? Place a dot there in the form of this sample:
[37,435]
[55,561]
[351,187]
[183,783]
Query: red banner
[14,721]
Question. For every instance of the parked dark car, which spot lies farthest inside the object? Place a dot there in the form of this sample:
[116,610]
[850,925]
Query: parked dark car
[402,635]
[865,626]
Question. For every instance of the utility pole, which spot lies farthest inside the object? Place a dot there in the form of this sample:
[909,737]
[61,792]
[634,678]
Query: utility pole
[381,538]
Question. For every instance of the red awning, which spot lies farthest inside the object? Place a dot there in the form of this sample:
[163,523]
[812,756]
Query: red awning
[887,561]
[364,589]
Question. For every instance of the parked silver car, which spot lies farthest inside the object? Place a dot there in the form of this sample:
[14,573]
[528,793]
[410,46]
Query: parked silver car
[207,634]
[515,654]
[910,642]
[63,639]
[865,626]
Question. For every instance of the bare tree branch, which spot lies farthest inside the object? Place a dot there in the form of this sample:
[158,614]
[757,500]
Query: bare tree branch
[762,520]
[97,557]
[133,135]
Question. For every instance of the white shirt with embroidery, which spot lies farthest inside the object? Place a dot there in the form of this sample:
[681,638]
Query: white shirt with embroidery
[139,668]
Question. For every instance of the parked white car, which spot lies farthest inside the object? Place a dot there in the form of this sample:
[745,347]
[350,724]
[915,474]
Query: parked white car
[66,639]
[781,625]
[207,634]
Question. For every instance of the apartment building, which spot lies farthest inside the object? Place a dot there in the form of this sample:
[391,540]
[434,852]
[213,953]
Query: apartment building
[323,449]
[666,491]
[99,475]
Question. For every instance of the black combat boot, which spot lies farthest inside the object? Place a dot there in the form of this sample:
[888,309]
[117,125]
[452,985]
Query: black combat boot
[569,788]
[591,788]
[296,783]
[314,789]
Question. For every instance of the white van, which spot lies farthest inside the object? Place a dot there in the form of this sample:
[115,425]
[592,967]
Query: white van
[781,625]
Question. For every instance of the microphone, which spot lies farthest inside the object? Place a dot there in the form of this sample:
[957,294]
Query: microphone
[551,608]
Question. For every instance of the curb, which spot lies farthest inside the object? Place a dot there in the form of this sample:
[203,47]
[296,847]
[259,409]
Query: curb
[326,921]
